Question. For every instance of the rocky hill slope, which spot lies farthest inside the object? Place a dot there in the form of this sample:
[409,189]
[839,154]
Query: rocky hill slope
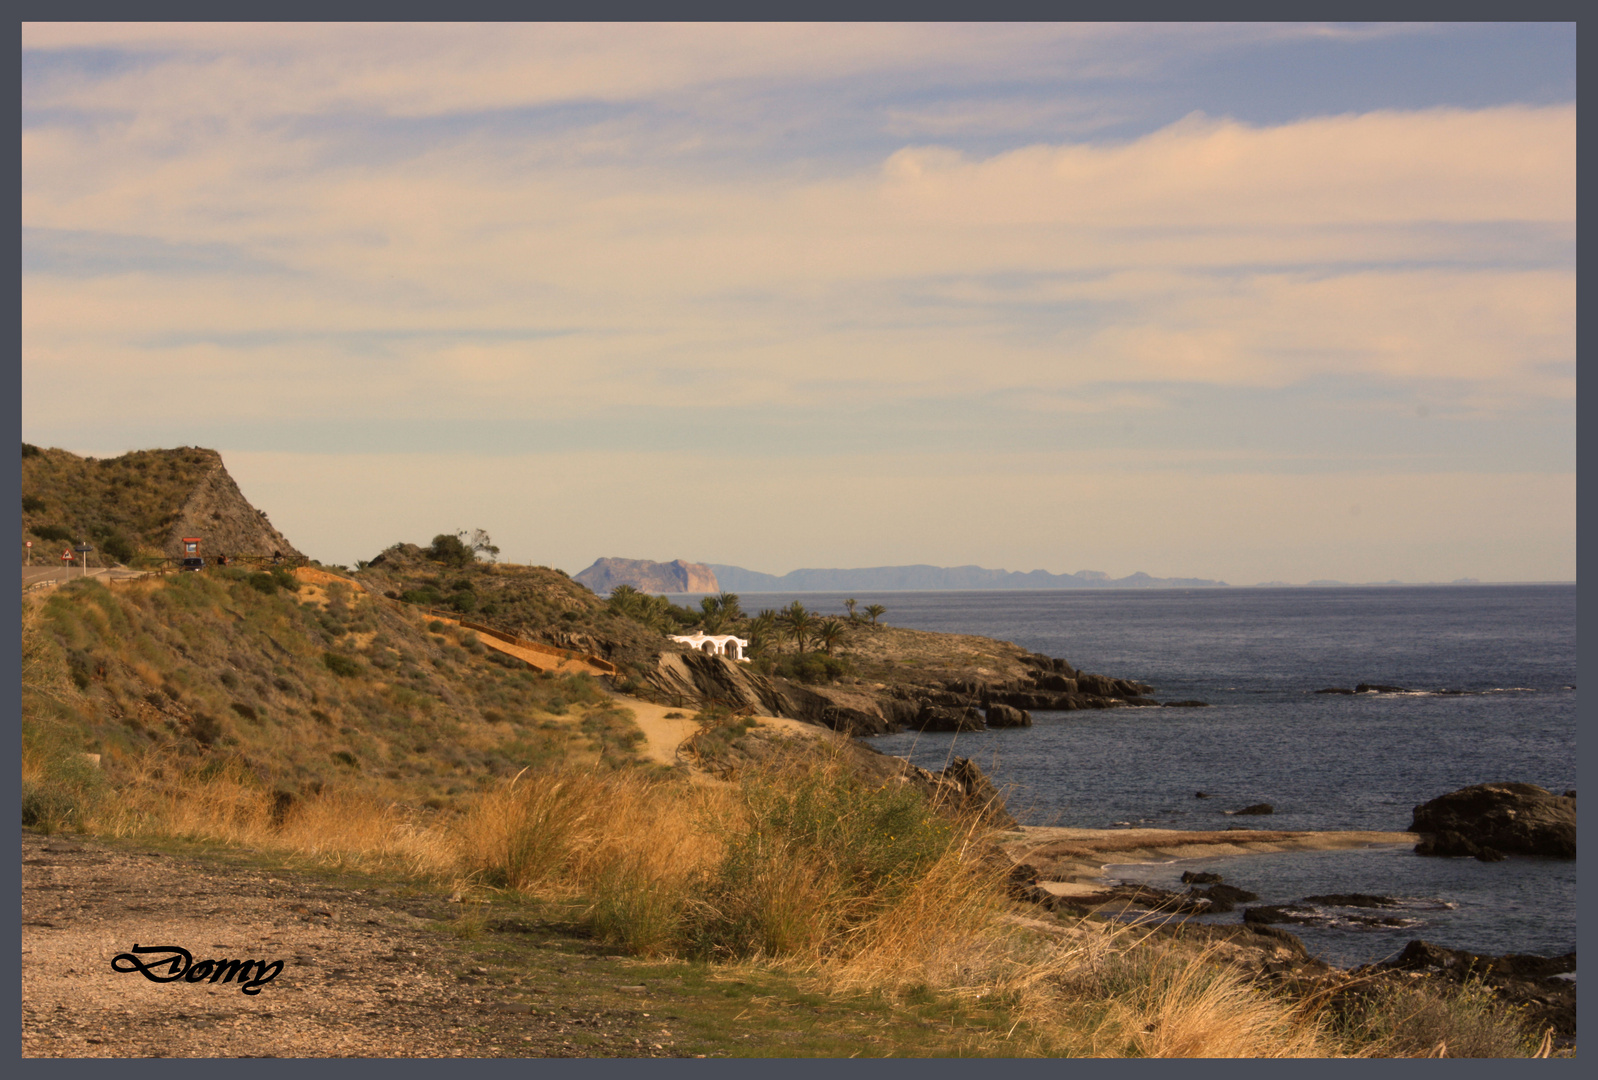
[141,503]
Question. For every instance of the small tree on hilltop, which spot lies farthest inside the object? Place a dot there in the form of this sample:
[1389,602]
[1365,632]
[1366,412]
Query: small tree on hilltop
[463,548]
[848,606]
[874,612]
[448,549]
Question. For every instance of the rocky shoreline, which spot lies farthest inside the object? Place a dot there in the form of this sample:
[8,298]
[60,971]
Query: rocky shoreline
[1062,871]
[937,700]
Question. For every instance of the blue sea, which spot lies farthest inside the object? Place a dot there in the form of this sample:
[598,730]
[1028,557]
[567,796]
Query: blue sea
[1491,672]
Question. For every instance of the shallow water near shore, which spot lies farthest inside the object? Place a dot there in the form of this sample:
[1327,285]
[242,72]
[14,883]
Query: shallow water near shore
[1491,672]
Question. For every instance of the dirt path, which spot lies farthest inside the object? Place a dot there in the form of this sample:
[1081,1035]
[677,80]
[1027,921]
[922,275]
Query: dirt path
[364,975]
[536,658]
[665,726]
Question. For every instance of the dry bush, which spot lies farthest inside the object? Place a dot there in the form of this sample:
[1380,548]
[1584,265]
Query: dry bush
[1423,1020]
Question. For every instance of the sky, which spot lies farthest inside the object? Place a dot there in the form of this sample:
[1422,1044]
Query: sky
[1255,303]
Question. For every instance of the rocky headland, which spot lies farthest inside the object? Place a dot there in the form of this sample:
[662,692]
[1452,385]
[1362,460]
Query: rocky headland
[903,680]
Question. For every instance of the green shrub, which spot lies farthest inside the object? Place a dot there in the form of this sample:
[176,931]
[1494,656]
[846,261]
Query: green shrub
[637,910]
[263,582]
[53,532]
[66,787]
[117,546]
[341,665]
[32,504]
[814,667]
[823,851]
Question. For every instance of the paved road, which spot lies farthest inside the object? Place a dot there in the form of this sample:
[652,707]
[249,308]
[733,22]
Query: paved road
[38,575]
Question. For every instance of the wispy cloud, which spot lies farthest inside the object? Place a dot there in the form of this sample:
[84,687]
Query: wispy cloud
[949,227]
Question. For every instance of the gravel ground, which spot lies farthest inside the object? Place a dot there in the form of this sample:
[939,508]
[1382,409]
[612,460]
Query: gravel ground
[363,974]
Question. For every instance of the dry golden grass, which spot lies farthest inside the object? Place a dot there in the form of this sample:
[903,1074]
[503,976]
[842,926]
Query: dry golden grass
[666,866]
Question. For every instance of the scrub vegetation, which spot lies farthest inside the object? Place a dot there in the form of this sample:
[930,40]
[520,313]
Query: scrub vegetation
[264,713]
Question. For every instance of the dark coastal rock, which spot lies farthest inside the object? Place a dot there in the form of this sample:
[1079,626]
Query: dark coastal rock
[1378,688]
[978,794]
[1334,690]
[1271,914]
[943,718]
[843,710]
[1057,683]
[1223,898]
[1487,821]
[1256,810]
[1200,877]
[1305,914]
[1001,715]
[1364,900]
[1187,704]
[1202,795]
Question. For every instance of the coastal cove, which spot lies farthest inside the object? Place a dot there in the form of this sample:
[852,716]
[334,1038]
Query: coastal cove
[1490,675]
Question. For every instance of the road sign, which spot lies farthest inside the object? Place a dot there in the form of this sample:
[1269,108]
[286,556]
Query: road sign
[66,556]
[83,547]
[30,543]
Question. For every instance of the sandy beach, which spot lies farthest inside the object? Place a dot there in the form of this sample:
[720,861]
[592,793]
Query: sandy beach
[1071,862]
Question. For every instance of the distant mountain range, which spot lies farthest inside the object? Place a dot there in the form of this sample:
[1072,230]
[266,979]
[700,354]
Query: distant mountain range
[935,578]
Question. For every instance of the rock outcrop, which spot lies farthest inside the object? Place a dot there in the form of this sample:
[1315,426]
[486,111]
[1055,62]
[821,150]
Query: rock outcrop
[143,502]
[676,576]
[1489,821]
[706,680]
[218,513]
[1002,715]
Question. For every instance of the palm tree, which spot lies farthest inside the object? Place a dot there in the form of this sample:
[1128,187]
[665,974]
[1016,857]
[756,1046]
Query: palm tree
[849,607]
[714,615]
[730,607]
[875,611]
[797,623]
[624,600]
[762,630]
[831,632]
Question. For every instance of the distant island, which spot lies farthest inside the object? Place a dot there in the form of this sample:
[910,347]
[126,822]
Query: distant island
[938,578]
[679,576]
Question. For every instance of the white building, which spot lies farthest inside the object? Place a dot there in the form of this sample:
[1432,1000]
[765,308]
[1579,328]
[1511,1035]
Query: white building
[715,644]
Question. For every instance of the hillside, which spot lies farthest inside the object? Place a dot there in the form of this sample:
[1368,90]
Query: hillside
[302,685]
[533,602]
[936,578]
[141,504]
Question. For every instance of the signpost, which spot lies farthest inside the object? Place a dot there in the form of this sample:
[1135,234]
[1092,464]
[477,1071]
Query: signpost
[84,549]
[30,552]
